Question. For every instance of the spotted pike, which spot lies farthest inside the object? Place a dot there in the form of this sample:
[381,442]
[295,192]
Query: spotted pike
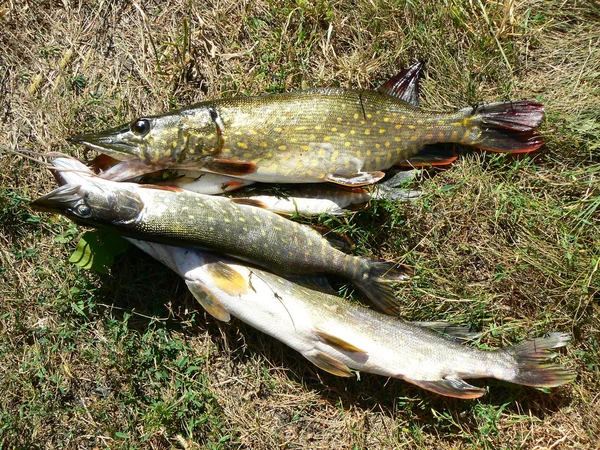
[337,335]
[342,136]
[228,226]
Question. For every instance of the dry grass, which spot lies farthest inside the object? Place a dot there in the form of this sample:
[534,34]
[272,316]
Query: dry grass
[129,360]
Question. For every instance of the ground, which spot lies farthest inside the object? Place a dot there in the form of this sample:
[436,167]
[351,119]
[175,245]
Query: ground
[510,245]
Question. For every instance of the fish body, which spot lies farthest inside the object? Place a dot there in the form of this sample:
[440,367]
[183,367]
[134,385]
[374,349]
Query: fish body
[219,224]
[303,199]
[336,135]
[338,335]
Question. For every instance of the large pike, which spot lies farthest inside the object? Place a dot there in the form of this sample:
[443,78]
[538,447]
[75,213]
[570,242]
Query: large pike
[337,335]
[228,226]
[342,136]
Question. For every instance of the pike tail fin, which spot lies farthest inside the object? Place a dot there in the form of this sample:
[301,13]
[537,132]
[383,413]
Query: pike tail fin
[531,357]
[506,127]
[378,283]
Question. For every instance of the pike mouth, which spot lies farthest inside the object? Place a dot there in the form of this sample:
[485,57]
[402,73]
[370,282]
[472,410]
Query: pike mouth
[54,201]
[110,142]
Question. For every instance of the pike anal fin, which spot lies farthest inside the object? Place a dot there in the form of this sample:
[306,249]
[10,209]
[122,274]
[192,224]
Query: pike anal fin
[450,387]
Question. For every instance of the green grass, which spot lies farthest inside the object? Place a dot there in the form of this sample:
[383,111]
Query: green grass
[130,360]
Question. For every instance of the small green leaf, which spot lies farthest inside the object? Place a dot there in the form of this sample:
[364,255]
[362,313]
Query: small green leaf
[121,435]
[97,250]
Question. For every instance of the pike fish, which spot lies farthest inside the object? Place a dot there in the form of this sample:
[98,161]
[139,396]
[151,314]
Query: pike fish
[229,226]
[343,136]
[339,336]
[306,199]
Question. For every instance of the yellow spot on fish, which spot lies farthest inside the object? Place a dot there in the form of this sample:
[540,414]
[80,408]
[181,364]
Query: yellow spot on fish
[429,136]
[369,152]
[342,135]
[412,127]
[369,116]
[282,147]
[398,126]
[358,154]
[352,132]
[278,129]
[367,131]
[334,129]
[386,119]
[414,137]
[304,147]
[382,130]
[334,155]
[390,156]
[241,219]
[347,144]
[377,145]
[253,132]
[226,220]
[378,161]
[387,143]
[420,121]
[263,144]
[192,151]
[302,128]
[397,139]
[318,127]
[327,138]
[293,140]
[185,208]
[191,217]
[356,116]
[242,145]
[248,155]
[245,228]
[174,144]
[226,150]
[339,119]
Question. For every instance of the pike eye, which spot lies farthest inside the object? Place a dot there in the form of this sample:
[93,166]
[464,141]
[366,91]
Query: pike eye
[83,211]
[140,127]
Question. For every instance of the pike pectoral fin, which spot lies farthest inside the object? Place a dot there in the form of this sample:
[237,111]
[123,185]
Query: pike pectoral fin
[209,302]
[432,155]
[229,167]
[227,279]
[451,387]
[329,364]
[355,179]
[338,343]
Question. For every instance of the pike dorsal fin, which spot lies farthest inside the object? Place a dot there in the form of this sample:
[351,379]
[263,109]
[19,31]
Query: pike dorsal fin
[458,331]
[337,240]
[405,84]
[329,364]
[209,302]
[451,387]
